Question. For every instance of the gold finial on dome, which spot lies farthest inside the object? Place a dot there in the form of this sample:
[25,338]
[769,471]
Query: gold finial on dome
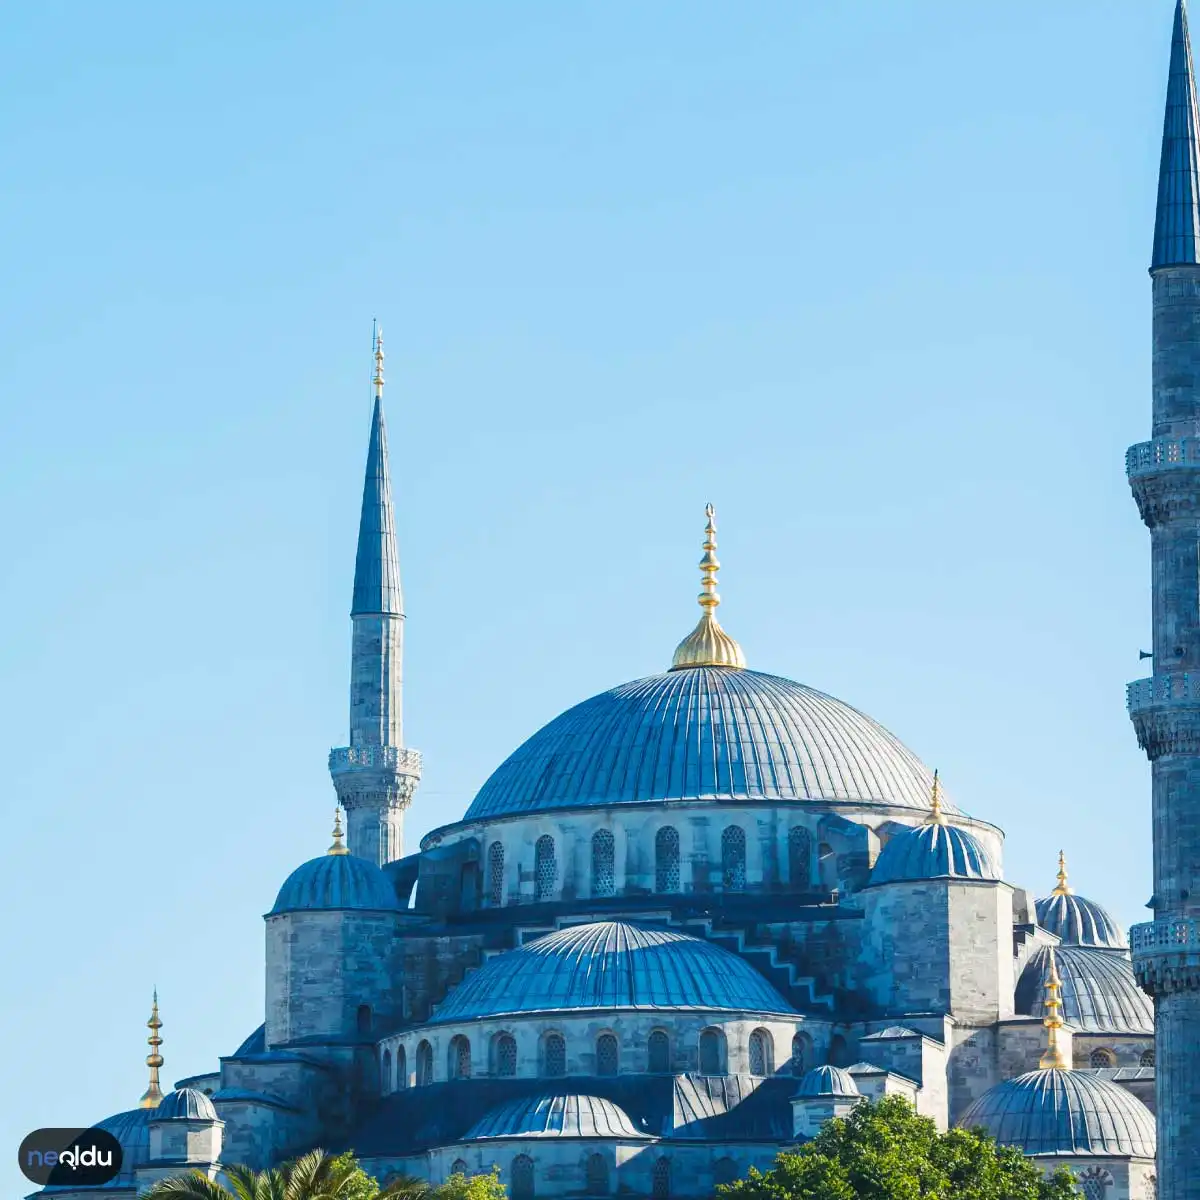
[339,846]
[1055,1056]
[936,816]
[708,645]
[153,1094]
[1061,889]
[377,350]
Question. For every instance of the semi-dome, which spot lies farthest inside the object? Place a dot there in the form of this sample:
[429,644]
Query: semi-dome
[553,1115]
[713,733]
[609,964]
[1077,920]
[1099,991]
[132,1131]
[828,1081]
[933,851]
[185,1104]
[335,881]
[1055,1111]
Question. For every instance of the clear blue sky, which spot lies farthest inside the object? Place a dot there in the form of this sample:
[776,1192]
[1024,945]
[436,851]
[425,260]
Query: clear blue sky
[871,277]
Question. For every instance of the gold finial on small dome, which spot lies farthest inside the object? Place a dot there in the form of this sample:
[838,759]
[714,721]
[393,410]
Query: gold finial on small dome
[708,645]
[339,846]
[377,350]
[1055,1055]
[1061,889]
[153,1094]
[936,816]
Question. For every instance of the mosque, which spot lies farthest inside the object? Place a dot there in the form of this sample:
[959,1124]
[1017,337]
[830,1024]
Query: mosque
[696,916]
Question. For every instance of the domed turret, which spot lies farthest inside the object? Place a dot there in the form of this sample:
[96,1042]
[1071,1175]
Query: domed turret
[185,1104]
[1075,919]
[824,1093]
[337,879]
[934,850]
[828,1081]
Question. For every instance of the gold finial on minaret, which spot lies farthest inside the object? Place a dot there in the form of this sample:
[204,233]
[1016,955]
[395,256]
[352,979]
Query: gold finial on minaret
[936,816]
[708,645]
[377,349]
[339,846]
[1061,889]
[1055,1056]
[153,1094]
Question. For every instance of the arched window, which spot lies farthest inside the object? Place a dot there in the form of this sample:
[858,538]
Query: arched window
[522,1177]
[597,1175]
[458,1058]
[554,1055]
[1150,1188]
[604,880]
[1103,1058]
[496,873]
[458,1167]
[724,1170]
[504,1049]
[802,1054]
[385,1080]
[606,1054]
[666,859]
[712,1052]
[799,857]
[838,1056]
[401,1068]
[545,866]
[1094,1183]
[658,1052]
[1147,1058]
[363,1018]
[760,1053]
[660,1179]
[424,1064]
[733,859]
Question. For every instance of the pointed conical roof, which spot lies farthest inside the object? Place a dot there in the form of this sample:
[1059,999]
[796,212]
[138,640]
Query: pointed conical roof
[377,565]
[1177,219]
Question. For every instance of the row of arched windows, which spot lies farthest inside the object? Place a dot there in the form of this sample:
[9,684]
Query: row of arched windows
[713,1055]
[521,1185]
[1101,1057]
[668,877]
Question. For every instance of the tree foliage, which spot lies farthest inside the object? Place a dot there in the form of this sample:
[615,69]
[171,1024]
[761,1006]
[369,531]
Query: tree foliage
[885,1151]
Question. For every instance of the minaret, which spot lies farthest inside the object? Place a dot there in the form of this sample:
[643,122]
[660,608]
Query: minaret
[374,776]
[1164,474]
[152,1096]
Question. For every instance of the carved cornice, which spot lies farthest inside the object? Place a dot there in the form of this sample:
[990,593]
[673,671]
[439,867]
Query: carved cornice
[375,776]
[1166,956]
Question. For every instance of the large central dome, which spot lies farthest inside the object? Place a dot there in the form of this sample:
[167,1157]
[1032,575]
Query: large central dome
[706,733]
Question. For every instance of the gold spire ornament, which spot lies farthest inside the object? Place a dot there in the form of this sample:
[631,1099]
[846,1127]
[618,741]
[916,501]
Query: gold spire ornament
[339,846]
[377,349]
[936,816]
[1062,889]
[153,1094]
[708,645]
[1055,1055]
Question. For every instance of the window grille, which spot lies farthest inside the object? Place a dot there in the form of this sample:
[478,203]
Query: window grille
[799,857]
[1147,1059]
[458,1167]
[459,1066]
[424,1064]
[506,1055]
[666,859]
[606,1054]
[658,1050]
[801,1054]
[604,882]
[758,1053]
[660,1187]
[712,1052]
[545,867]
[1102,1058]
[555,1055]
[733,859]
[496,873]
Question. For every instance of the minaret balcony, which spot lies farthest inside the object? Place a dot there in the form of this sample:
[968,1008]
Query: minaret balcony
[1162,454]
[1164,690]
[389,758]
[1166,955]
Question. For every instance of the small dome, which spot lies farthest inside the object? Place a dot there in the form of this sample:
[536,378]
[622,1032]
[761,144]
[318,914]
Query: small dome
[933,851]
[545,1115]
[185,1104]
[1079,921]
[609,964]
[1064,1112]
[335,881]
[1099,992]
[828,1081]
[708,733]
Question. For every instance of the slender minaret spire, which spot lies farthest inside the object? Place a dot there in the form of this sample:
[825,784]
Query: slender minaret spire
[708,645]
[1177,221]
[1055,1055]
[152,1096]
[375,776]
[936,816]
[1164,474]
[1061,888]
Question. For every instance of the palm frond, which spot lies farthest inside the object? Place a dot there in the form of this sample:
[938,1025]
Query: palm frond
[193,1186]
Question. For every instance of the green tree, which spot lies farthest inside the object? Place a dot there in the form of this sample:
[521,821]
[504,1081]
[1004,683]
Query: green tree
[885,1151]
[471,1187]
